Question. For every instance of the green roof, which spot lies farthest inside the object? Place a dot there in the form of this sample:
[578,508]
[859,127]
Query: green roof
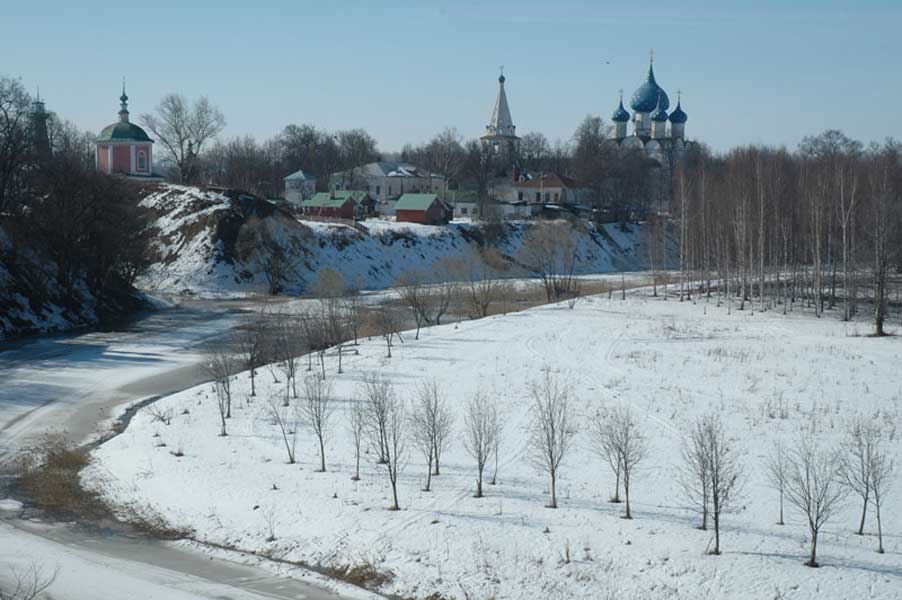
[123,132]
[333,200]
[415,201]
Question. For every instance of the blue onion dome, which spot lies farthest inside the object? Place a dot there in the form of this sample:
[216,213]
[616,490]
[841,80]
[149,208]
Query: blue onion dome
[620,115]
[678,116]
[660,114]
[645,99]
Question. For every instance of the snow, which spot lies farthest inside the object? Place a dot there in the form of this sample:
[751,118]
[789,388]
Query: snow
[101,569]
[767,375]
[10,505]
[60,383]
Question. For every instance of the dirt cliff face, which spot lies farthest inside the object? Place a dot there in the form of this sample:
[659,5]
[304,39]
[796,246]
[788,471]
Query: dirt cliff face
[213,242]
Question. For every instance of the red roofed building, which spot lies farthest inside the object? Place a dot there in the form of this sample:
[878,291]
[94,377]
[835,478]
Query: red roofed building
[549,188]
[123,147]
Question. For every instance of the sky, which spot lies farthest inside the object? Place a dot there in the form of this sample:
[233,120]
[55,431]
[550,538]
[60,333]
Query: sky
[763,72]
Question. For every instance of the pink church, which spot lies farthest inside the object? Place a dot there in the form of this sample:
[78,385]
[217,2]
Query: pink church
[124,148]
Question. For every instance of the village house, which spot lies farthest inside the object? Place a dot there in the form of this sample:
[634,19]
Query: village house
[427,209]
[299,186]
[386,181]
[547,188]
[340,204]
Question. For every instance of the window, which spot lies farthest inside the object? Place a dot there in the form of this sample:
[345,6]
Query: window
[463,211]
[538,196]
[378,189]
[520,196]
[142,160]
[389,190]
[547,196]
[555,196]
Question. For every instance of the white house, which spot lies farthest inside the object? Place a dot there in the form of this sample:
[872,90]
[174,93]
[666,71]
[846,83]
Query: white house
[386,181]
[299,186]
[547,188]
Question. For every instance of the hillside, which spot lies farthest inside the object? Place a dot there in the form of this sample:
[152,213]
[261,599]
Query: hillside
[32,301]
[201,248]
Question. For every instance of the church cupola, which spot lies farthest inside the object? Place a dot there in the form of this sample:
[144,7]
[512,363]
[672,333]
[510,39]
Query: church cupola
[678,120]
[646,99]
[123,106]
[659,121]
[620,119]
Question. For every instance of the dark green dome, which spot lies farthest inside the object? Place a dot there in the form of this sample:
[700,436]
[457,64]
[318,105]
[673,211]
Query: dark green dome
[123,132]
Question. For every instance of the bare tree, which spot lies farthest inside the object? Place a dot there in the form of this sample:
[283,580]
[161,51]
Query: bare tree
[446,288]
[357,427]
[618,436]
[777,470]
[286,419]
[386,428]
[552,427]
[183,129]
[478,271]
[442,421]
[814,488]
[695,476]
[220,365]
[421,434]
[377,396]
[439,419]
[549,250]
[317,408]
[353,310]
[856,460]
[287,337]
[604,445]
[723,467]
[497,426]
[28,583]
[480,429]
[416,296]
[882,468]
[316,335]
[334,322]
[251,341]
[389,321]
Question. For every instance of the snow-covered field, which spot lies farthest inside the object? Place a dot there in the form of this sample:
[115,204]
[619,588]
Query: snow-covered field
[767,375]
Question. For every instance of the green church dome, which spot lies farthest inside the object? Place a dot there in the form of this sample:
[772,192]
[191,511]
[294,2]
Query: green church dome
[123,132]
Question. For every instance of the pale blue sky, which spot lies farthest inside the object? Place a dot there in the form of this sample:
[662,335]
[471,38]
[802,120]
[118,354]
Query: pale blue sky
[752,72]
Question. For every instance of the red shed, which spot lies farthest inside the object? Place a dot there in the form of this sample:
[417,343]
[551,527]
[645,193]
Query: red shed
[422,208]
[340,204]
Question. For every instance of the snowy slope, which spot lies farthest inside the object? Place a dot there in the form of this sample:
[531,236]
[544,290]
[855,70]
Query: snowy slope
[767,375]
[199,229]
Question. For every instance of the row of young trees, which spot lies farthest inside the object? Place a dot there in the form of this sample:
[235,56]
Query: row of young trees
[811,477]
[770,228]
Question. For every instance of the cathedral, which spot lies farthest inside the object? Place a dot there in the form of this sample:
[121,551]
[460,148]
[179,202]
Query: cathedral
[654,130]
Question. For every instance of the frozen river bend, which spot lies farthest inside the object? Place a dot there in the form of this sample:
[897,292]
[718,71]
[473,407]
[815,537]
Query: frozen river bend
[74,385]
[768,376]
